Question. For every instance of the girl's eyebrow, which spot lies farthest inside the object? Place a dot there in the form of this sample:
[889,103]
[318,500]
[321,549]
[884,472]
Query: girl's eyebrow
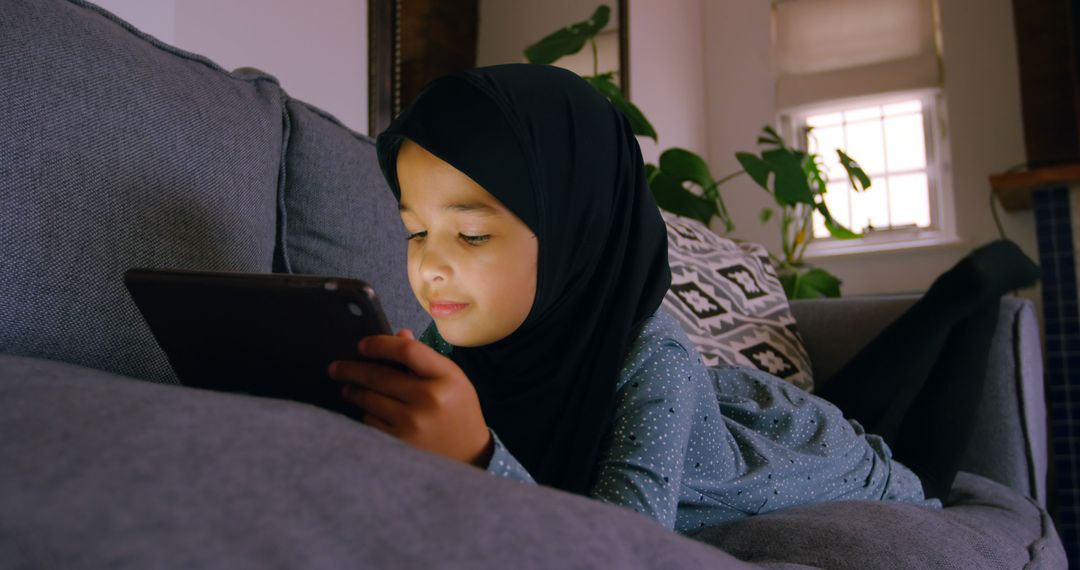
[469,207]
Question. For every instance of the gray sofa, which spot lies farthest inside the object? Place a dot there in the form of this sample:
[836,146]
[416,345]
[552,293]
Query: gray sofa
[118,151]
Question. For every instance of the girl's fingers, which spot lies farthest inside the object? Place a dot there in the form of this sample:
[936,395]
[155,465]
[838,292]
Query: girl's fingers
[375,377]
[376,406]
[378,424]
[421,359]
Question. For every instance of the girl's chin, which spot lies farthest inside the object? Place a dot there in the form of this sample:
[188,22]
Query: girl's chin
[459,336]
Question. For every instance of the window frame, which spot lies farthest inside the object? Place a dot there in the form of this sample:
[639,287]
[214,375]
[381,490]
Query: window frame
[942,229]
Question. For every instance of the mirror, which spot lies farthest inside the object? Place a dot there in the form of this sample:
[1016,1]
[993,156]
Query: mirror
[411,42]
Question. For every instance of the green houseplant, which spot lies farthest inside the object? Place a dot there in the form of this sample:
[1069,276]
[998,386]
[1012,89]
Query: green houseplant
[683,184]
[797,183]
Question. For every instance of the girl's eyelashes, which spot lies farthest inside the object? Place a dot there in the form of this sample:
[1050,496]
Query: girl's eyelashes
[471,240]
[474,240]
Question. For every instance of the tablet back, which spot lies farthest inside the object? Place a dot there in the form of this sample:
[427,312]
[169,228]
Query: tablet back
[270,335]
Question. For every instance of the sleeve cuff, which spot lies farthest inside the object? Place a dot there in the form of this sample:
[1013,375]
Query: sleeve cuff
[506,465]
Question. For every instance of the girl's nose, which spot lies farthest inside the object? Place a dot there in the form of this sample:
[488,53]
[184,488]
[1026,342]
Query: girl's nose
[433,266]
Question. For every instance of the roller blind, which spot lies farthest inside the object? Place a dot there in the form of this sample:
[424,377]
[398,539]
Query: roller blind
[832,49]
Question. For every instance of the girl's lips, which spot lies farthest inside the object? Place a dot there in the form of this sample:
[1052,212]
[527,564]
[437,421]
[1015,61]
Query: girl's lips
[446,309]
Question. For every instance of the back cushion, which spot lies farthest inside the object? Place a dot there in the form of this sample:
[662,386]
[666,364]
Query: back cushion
[117,151]
[340,216]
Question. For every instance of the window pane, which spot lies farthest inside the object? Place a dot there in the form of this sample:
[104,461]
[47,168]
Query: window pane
[909,196]
[905,142]
[865,145]
[824,142]
[824,120]
[870,207]
[902,108]
[819,226]
[836,199]
[863,114]
[889,141]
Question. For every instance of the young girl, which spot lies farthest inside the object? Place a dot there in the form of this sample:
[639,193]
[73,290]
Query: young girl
[538,250]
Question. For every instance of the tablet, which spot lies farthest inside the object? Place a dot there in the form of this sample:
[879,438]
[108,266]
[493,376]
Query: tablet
[264,334]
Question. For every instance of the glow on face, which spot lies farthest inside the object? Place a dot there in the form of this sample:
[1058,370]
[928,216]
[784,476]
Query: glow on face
[472,262]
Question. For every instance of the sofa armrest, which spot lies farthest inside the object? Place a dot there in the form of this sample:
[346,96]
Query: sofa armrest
[1010,440]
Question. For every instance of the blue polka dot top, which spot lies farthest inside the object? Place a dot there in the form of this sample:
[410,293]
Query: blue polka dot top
[693,446]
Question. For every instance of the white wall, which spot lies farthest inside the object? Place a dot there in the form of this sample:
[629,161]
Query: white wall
[668,74]
[740,91]
[317,49]
[154,17]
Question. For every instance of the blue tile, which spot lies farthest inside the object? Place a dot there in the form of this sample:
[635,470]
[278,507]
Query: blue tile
[1063,255]
[1044,233]
[1063,237]
[1049,272]
[1071,328]
[1066,268]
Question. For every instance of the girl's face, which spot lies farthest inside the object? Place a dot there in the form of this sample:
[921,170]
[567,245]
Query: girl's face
[472,262]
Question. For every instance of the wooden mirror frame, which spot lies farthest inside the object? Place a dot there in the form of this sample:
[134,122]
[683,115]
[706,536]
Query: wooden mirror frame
[384,60]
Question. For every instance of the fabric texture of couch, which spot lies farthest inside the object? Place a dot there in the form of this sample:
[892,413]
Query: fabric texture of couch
[120,151]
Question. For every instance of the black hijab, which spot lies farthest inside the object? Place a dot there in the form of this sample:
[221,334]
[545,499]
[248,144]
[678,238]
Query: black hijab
[553,150]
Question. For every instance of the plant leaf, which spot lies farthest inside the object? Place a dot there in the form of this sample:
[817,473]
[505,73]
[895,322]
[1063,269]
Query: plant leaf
[687,166]
[837,230]
[790,280]
[790,185]
[568,40]
[755,167]
[766,215]
[638,123]
[817,283]
[855,172]
[671,196]
[816,178]
[771,138]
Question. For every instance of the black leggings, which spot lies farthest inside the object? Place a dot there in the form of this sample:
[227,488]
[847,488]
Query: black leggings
[918,385]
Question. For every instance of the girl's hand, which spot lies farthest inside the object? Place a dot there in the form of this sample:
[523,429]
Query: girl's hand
[435,408]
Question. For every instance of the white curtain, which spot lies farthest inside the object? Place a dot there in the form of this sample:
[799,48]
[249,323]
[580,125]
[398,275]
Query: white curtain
[832,49]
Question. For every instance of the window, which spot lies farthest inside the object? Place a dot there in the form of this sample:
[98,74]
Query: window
[865,76]
[896,140]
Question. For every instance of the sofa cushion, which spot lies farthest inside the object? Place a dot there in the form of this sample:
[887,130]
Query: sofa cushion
[731,304]
[340,217]
[119,151]
[176,477]
[985,526]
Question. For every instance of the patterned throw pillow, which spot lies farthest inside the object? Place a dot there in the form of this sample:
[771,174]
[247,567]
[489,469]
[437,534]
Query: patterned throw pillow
[730,303]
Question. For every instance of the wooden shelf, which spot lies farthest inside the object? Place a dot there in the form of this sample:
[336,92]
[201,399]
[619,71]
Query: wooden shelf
[1015,189]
